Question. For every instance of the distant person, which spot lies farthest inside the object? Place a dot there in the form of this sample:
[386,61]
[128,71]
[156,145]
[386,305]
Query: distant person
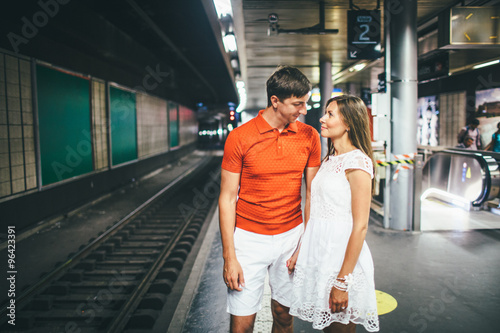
[260,212]
[494,145]
[472,131]
[333,274]
[467,144]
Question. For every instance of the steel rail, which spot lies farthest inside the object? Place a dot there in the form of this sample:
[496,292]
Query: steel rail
[32,291]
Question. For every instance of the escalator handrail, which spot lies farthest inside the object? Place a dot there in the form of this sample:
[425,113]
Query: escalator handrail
[486,184]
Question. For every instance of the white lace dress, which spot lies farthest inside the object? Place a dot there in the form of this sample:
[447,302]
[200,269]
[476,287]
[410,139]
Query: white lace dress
[323,248]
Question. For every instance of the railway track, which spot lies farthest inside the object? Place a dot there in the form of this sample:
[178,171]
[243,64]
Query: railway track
[121,281]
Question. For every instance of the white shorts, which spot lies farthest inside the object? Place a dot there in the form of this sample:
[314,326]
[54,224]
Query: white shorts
[258,255]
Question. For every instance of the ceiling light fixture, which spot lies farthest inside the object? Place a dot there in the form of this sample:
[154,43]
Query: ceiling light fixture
[486,64]
[223,7]
[359,67]
[229,41]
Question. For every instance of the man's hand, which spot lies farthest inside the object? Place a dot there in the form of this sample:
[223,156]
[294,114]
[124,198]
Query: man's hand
[233,275]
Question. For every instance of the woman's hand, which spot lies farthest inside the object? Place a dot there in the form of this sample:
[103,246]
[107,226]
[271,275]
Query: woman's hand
[339,300]
[290,263]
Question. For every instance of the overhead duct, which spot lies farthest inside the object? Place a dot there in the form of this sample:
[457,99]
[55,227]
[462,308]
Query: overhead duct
[318,29]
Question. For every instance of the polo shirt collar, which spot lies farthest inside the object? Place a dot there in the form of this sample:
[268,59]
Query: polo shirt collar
[263,126]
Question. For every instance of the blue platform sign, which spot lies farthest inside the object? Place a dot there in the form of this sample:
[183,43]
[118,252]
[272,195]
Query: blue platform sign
[363,34]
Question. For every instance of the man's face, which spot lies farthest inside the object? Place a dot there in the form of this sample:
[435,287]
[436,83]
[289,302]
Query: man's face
[468,142]
[291,108]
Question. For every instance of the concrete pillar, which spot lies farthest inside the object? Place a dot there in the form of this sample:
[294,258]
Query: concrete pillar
[353,89]
[312,118]
[325,86]
[402,28]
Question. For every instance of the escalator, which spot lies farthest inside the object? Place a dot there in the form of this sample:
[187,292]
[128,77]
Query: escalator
[464,178]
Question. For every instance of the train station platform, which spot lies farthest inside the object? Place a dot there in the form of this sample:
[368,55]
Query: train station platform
[442,279]
[429,281]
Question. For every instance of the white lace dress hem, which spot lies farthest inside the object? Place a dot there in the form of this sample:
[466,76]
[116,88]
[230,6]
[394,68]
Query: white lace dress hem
[323,248]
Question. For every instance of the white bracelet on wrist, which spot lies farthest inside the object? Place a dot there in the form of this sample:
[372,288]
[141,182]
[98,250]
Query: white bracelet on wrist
[343,284]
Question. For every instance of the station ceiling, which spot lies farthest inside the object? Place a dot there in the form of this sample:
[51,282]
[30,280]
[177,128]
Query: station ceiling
[119,40]
[172,49]
[261,53]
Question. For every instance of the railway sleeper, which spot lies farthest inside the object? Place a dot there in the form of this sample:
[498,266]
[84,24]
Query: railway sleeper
[188,238]
[153,301]
[191,231]
[57,288]
[117,240]
[97,255]
[47,302]
[164,220]
[162,286]
[86,264]
[107,247]
[135,252]
[99,273]
[74,275]
[142,245]
[85,317]
[174,262]
[157,236]
[119,262]
[143,319]
[170,273]
[41,303]
[124,234]
[184,245]
[179,253]
[160,228]
[114,285]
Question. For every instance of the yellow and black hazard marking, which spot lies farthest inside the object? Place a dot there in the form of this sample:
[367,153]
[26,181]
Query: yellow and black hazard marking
[396,162]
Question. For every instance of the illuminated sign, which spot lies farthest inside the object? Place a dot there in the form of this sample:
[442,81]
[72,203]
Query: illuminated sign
[363,34]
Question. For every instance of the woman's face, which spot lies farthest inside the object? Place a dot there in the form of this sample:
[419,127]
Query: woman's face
[332,123]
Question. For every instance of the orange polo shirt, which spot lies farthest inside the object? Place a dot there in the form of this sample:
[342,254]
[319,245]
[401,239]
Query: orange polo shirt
[271,165]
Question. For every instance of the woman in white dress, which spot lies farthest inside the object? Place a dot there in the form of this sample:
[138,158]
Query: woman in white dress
[333,269]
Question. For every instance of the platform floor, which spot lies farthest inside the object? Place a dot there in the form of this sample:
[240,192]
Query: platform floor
[437,215]
[443,281]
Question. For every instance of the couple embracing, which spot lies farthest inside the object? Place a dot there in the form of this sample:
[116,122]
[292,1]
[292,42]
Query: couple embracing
[320,268]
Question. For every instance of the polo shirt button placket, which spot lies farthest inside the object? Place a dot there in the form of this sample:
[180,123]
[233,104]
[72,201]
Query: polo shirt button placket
[280,149]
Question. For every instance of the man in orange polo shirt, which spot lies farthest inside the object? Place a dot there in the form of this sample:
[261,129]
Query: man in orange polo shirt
[260,200]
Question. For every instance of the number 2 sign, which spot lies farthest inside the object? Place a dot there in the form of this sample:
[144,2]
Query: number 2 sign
[363,34]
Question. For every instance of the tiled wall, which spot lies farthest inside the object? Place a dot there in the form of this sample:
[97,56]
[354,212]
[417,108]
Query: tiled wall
[99,125]
[17,145]
[152,125]
[452,117]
